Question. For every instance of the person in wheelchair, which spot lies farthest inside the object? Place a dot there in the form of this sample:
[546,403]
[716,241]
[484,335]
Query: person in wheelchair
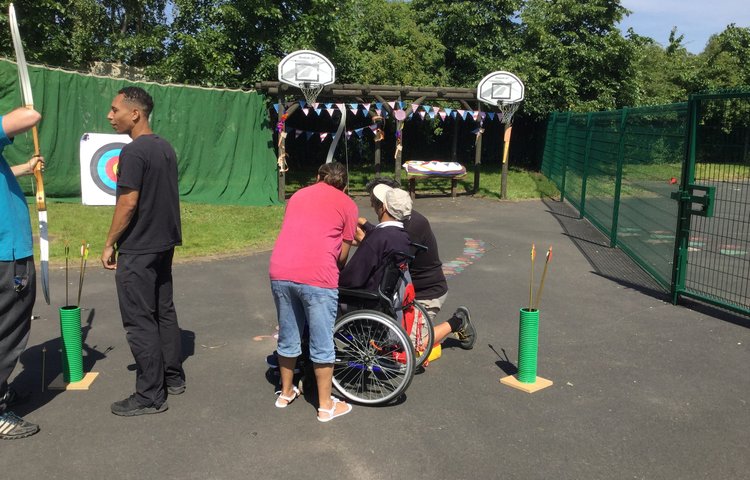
[426,271]
[368,264]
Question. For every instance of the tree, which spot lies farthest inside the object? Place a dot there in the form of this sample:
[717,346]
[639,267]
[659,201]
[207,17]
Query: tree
[478,37]
[574,57]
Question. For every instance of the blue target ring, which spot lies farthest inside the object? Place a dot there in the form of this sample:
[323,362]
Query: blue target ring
[103,166]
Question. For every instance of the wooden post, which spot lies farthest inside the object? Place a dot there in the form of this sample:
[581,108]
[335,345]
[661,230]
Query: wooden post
[478,155]
[504,175]
[454,150]
[397,173]
[282,147]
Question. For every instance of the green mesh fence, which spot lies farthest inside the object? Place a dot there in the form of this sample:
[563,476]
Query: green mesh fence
[669,184]
[718,253]
[222,137]
[619,168]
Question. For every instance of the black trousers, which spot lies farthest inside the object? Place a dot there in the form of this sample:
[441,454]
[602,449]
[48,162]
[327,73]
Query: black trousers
[144,289]
[17,297]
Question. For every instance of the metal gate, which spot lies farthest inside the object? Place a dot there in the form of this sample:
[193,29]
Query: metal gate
[712,254]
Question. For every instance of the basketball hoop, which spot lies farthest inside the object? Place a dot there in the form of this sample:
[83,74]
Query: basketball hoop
[504,90]
[311,91]
[307,70]
[507,110]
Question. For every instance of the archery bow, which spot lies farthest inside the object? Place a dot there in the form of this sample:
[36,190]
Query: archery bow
[28,101]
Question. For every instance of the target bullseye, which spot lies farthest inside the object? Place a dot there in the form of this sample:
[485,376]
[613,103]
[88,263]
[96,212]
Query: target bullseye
[104,164]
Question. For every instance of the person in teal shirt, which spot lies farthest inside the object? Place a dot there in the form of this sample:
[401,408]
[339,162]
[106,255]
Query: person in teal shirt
[17,272]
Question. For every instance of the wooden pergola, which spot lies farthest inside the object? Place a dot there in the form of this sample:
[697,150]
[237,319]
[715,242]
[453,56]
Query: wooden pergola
[383,94]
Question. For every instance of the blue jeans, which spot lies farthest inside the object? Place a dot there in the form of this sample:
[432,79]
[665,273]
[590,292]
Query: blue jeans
[298,305]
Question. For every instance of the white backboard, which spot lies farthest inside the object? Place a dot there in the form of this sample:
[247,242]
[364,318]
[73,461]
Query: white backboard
[305,67]
[500,88]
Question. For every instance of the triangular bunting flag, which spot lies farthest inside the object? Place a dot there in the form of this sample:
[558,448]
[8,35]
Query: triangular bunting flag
[475,131]
[392,104]
[367,107]
[354,111]
[448,111]
[298,133]
[328,105]
[353,105]
[432,114]
[378,105]
[491,115]
[317,111]
[436,109]
[341,106]
[330,111]
[359,131]
[309,134]
[348,134]
[461,113]
[421,114]
[323,136]
[403,105]
[475,116]
[373,127]
[442,115]
[302,103]
[276,107]
[415,106]
[482,115]
[426,108]
[305,111]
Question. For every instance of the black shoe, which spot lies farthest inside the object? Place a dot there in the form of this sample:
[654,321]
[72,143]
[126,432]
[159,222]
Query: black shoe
[13,398]
[130,408]
[273,362]
[176,389]
[12,427]
[467,334]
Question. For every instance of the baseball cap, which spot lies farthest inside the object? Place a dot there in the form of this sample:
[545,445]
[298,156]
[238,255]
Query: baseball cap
[398,203]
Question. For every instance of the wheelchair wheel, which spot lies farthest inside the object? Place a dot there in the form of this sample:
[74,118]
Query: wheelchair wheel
[374,358]
[423,334]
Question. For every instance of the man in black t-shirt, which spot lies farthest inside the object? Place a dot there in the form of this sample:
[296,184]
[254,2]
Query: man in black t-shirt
[427,275]
[146,228]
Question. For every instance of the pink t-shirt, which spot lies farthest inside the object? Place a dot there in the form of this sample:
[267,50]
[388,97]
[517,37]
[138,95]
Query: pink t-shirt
[317,219]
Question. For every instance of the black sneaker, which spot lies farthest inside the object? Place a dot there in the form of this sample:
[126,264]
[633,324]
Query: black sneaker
[130,408]
[467,334]
[12,427]
[13,398]
[176,389]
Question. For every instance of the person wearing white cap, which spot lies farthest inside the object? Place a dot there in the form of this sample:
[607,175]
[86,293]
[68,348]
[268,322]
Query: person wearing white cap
[366,267]
[427,273]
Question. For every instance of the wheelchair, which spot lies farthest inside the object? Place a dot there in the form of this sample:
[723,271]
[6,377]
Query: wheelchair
[376,358]
[382,339]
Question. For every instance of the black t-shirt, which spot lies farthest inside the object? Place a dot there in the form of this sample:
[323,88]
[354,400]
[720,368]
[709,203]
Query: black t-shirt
[149,164]
[426,269]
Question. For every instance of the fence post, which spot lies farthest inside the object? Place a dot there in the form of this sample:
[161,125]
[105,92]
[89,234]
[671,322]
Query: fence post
[682,237]
[618,179]
[565,158]
[584,179]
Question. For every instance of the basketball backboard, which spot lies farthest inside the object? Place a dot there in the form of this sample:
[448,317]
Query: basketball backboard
[305,68]
[500,88]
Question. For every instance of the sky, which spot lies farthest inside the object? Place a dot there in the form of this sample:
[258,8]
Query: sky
[697,20]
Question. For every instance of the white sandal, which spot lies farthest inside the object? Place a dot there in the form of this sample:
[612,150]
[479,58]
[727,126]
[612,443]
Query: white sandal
[330,411]
[288,400]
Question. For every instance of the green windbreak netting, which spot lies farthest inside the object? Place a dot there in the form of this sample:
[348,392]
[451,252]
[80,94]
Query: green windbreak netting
[222,137]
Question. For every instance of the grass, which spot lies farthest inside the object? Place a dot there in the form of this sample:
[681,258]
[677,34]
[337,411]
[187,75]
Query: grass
[522,184]
[207,230]
[219,230]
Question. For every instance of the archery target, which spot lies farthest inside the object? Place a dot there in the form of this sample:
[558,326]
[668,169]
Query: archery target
[100,156]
